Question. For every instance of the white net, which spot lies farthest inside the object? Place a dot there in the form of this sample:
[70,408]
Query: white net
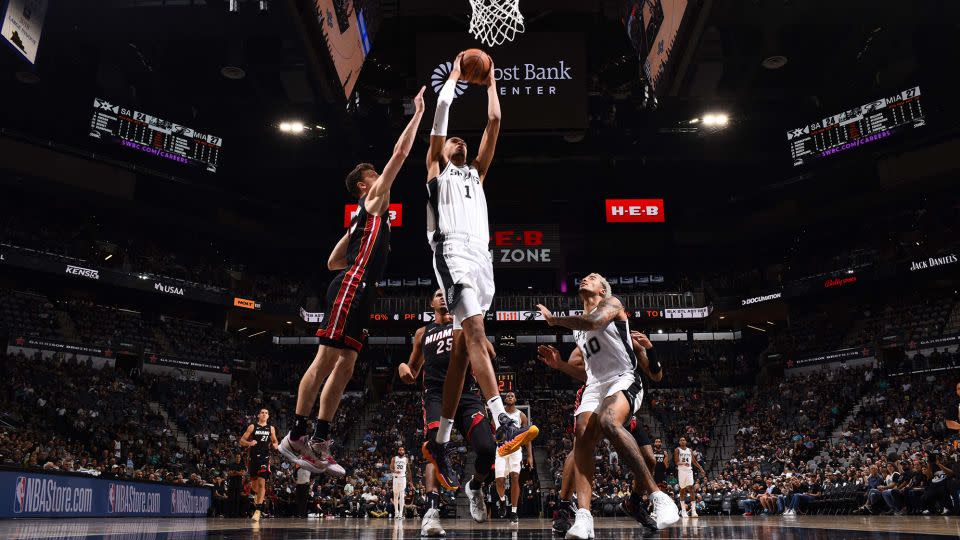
[496,21]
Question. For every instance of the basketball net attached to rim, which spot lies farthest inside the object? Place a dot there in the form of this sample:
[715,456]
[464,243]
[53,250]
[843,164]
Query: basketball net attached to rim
[496,21]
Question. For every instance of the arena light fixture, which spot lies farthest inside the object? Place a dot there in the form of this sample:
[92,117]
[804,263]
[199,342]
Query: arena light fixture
[108,257]
[660,330]
[716,119]
[242,329]
[257,334]
[722,317]
[757,328]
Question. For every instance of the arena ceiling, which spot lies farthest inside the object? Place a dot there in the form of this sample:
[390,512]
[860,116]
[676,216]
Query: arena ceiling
[165,57]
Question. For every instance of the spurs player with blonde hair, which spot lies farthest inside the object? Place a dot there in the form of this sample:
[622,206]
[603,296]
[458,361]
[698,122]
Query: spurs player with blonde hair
[458,232]
[612,394]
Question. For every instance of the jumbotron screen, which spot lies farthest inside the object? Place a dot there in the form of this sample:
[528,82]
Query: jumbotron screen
[858,126]
[156,136]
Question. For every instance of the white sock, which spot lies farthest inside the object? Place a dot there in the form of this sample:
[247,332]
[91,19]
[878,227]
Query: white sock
[503,498]
[443,432]
[513,509]
[496,409]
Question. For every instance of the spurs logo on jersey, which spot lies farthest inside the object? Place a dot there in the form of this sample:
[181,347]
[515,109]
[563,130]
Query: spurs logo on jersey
[686,458]
[457,206]
[607,353]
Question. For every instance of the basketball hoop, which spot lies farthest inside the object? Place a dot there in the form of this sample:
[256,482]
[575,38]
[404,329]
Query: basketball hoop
[496,21]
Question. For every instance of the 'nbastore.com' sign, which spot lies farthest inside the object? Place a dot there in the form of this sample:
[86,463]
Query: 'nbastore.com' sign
[525,246]
[541,81]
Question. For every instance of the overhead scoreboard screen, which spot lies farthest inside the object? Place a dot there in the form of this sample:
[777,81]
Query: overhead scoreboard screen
[149,134]
[858,126]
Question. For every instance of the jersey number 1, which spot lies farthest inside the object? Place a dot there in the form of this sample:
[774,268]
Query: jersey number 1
[468,191]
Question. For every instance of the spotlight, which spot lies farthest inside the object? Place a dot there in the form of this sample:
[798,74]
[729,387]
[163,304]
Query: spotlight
[108,257]
[264,6]
[660,331]
[719,119]
[234,6]
[296,127]
[285,126]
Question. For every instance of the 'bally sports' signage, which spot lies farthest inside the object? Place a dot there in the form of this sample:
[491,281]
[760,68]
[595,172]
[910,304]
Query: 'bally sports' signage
[351,210]
[525,246]
[635,211]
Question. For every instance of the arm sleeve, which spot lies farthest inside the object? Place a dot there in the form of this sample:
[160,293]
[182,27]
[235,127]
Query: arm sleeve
[441,116]
[654,362]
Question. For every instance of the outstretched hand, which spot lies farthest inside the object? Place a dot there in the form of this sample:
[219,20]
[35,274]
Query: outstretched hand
[547,314]
[549,355]
[490,80]
[642,339]
[456,66]
[418,105]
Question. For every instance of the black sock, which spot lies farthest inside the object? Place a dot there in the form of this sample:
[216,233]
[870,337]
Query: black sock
[321,430]
[300,426]
[474,485]
[566,504]
[434,499]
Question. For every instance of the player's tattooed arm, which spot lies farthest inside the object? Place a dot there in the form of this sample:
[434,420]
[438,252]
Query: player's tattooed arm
[411,370]
[607,310]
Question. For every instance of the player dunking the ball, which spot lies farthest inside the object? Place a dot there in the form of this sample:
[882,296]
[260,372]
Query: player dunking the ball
[432,345]
[361,257]
[612,394]
[458,232]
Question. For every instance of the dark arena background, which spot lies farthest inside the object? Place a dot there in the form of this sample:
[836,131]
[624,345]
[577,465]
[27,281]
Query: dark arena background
[769,187]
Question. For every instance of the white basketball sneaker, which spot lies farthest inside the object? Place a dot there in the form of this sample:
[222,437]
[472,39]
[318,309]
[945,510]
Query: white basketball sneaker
[430,526]
[582,527]
[478,509]
[665,512]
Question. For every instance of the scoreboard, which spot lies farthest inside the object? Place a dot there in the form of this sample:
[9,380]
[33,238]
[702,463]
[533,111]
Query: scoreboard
[507,381]
[858,126]
[152,135]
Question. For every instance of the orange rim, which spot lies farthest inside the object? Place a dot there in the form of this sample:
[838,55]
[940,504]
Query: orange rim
[440,478]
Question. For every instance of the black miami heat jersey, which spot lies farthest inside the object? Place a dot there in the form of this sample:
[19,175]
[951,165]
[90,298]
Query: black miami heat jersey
[261,451]
[368,246]
[437,343]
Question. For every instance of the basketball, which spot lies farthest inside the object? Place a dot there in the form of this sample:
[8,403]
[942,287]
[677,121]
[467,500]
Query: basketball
[475,66]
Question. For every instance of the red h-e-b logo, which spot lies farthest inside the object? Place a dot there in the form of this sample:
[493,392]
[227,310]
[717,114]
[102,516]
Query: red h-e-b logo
[635,211]
[395,212]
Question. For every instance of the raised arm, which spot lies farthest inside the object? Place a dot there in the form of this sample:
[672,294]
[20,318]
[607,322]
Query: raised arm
[651,367]
[378,198]
[411,370]
[338,257]
[488,144]
[574,367]
[608,310]
[438,134]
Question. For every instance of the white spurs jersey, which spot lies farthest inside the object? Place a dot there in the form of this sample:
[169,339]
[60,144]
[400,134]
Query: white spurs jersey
[457,206]
[607,353]
[400,467]
[686,459]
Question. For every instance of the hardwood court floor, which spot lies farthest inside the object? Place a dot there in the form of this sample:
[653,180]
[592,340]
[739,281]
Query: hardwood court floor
[774,528]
